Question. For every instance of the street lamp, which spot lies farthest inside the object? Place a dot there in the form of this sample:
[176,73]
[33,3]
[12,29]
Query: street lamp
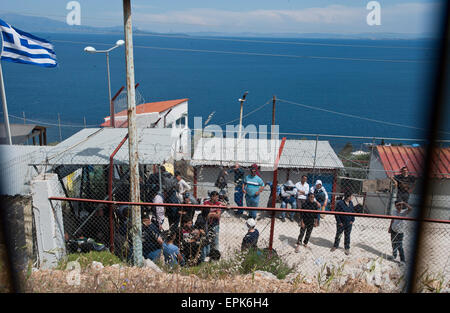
[90,49]
[242,109]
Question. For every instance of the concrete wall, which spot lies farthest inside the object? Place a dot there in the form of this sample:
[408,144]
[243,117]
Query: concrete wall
[175,114]
[376,168]
[15,171]
[48,220]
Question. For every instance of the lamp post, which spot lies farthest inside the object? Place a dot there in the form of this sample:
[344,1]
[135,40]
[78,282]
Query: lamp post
[93,50]
[242,109]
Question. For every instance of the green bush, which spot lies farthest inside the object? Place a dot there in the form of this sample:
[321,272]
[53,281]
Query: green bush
[85,259]
[259,260]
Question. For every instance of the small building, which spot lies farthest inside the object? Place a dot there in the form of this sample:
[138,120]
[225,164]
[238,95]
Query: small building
[386,161]
[316,159]
[162,114]
[82,163]
[21,133]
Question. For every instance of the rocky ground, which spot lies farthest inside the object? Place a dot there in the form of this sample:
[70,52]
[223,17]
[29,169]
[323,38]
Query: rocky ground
[148,280]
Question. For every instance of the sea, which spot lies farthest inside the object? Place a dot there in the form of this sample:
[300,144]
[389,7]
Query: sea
[345,87]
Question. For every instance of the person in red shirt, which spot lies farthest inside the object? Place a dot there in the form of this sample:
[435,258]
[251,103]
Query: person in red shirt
[213,217]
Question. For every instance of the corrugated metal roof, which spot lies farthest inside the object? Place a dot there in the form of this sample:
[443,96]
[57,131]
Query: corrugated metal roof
[93,146]
[19,133]
[296,153]
[393,158]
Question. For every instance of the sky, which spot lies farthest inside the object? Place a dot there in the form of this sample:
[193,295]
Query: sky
[234,16]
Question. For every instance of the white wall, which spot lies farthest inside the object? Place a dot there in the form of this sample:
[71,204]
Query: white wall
[175,114]
[15,171]
[48,220]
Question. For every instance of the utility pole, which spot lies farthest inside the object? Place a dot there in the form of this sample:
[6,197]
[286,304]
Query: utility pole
[59,126]
[273,116]
[132,138]
[242,109]
[5,109]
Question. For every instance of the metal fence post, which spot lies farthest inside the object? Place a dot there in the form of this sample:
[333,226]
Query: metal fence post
[274,195]
[315,156]
[132,140]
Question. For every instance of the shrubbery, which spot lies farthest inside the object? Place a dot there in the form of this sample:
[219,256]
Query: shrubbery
[241,264]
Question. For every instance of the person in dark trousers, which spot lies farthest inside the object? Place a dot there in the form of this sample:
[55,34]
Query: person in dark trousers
[221,181]
[206,232]
[288,196]
[238,181]
[151,238]
[170,188]
[320,194]
[250,240]
[344,223]
[307,221]
[214,217]
[404,183]
[396,229]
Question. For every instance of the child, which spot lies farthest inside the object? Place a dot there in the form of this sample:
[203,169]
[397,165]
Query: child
[250,240]
[171,252]
[308,221]
[396,229]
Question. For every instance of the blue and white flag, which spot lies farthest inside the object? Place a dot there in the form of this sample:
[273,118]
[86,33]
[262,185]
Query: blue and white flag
[21,47]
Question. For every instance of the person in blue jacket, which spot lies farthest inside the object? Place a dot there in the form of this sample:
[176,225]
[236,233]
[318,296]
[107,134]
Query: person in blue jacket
[252,187]
[344,223]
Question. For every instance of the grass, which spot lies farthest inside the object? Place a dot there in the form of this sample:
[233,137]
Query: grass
[431,282]
[241,264]
[86,259]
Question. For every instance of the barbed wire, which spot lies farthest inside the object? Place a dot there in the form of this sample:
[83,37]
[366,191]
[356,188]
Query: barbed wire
[52,124]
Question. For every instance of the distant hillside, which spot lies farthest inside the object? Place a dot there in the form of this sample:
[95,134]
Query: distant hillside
[47,25]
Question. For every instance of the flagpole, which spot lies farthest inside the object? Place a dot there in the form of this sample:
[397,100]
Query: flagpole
[5,107]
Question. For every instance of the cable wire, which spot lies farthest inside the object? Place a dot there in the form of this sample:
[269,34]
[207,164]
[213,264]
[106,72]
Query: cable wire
[355,116]
[248,114]
[259,53]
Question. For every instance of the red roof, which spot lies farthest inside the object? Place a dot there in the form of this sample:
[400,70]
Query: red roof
[393,158]
[150,107]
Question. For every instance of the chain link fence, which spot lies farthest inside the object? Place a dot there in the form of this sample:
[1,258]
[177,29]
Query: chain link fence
[363,167]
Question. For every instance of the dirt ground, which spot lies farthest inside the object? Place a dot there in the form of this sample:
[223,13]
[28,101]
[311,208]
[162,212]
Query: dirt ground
[370,241]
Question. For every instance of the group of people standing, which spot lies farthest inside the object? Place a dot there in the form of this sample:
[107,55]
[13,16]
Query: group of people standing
[189,242]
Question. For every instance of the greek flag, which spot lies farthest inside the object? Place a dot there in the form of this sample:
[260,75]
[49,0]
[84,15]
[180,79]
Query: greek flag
[21,47]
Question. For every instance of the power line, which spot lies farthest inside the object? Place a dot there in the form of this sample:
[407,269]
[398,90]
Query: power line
[248,114]
[259,53]
[280,42]
[356,116]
